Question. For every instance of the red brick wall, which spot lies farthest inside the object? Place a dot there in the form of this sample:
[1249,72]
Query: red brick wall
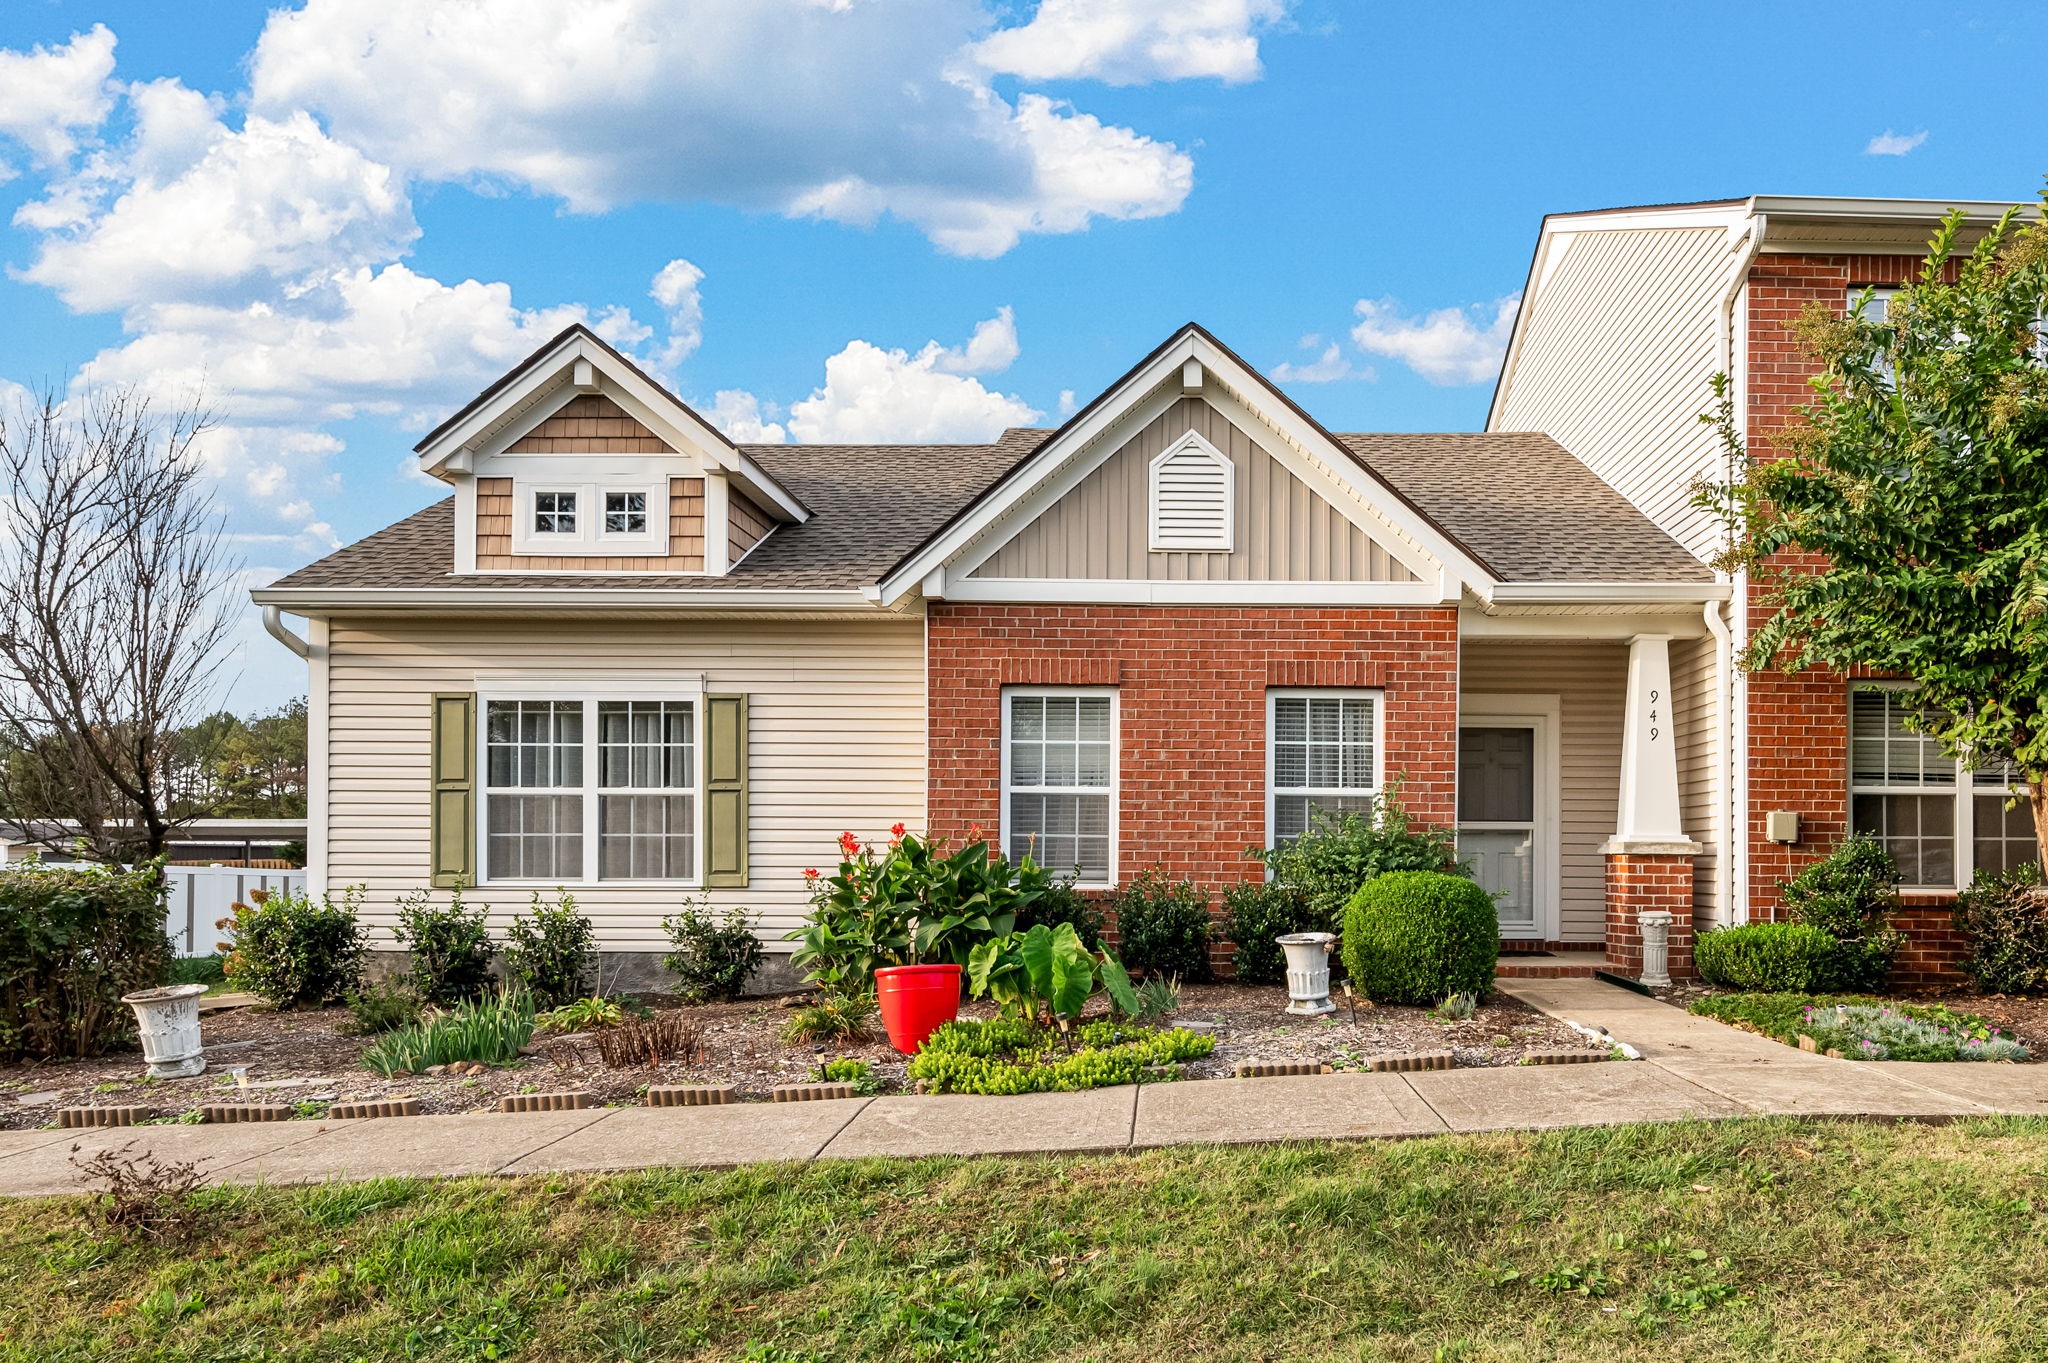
[1799,724]
[1638,884]
[1191,685]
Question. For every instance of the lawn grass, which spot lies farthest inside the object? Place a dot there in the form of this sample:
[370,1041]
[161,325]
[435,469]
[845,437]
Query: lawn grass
[1760,1239]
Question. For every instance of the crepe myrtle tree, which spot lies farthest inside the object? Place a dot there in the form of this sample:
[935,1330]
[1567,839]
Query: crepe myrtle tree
[1903,527]
[114,617]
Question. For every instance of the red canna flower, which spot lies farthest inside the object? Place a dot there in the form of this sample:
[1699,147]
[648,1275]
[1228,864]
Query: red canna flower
[810,873]
[974,832]
[849,846]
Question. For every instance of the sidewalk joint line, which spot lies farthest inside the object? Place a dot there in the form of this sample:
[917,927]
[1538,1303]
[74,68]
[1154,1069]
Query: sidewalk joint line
[1131,1141]
[820,1151]
[602,1113]
[1423,1099]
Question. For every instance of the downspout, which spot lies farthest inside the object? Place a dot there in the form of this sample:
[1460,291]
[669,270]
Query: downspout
[1734,735]
[274,626]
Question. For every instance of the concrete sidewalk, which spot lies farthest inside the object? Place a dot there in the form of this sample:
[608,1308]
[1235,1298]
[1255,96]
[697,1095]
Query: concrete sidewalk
[1692,1068]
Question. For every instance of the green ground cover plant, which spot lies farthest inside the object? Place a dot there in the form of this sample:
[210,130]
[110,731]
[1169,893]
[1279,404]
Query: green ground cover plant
[1010,1055]
[1703,1242]
[1936,1032]
[489,1030]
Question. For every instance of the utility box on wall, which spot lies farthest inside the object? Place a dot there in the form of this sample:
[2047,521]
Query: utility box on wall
[1782,825]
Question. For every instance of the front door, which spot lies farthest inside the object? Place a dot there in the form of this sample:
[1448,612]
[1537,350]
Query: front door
[1498,828]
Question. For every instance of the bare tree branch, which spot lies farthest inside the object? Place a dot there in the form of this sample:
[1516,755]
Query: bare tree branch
[113,615]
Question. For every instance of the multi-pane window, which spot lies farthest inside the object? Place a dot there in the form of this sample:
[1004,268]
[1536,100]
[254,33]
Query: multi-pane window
[554,513]
[1324,750]
[625,513]
[533,790]
[1060,790]
[577,790]
[647,803]
[1941,821]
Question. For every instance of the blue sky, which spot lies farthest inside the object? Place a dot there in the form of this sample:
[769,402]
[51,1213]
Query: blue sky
[345,217]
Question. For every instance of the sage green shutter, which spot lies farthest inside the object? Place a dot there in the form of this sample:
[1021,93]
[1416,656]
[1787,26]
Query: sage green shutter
[725,791]
[452,826]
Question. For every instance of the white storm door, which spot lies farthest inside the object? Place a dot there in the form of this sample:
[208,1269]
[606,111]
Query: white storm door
[1506,785]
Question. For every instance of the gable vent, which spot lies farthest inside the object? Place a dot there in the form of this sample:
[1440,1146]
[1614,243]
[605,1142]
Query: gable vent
[1191,497]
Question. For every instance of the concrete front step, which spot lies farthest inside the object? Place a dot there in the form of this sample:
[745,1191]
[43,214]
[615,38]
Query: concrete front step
[1572,965]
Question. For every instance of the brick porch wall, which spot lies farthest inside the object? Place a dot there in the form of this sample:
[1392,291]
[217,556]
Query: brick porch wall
[1799,723]
[1638,883]
[1191,712]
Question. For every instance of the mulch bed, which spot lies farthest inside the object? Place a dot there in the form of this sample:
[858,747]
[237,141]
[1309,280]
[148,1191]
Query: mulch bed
[309,1057]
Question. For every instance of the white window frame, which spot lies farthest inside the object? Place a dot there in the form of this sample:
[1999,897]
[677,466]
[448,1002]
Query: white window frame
[591,538]
[1114,791]
[690,691]
[1964,794]
[1274,695]
[1184,543]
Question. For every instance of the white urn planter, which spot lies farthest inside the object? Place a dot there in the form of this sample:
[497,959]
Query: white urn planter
[169,1018]
[1308,972]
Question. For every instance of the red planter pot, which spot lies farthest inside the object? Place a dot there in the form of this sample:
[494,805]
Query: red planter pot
[916,1000]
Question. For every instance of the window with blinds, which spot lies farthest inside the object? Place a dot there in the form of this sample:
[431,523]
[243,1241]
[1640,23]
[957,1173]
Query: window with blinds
[1191,497]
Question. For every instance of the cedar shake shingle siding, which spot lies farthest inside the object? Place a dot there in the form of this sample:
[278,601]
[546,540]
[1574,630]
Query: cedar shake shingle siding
[495,510]
[747,524]
[589,424]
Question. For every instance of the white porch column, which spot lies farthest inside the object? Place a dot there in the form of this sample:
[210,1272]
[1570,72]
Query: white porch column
[1649,751]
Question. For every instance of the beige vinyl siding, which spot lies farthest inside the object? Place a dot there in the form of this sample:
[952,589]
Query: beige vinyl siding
[1285,532]
[1696,708]
[1614,365]
[837,742]
[1590,680]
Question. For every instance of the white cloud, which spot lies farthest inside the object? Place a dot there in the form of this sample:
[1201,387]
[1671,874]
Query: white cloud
[1448,346]
[873,395]
[191,211]
[1132,42]
[744,419]
[847,112]
[1327,367]
[1889,143]
[675,288]
[1069,404]
[48,95]
[990,350]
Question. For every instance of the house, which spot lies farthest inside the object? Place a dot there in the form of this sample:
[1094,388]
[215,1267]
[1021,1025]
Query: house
[633,659]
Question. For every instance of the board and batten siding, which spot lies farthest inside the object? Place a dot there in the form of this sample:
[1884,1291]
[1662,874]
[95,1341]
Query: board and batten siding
[1702,772]
[837,742]
[1590,681]
[1615,367]
[1285,531]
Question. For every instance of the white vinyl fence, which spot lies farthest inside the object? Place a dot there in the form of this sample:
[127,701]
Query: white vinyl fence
[201,896]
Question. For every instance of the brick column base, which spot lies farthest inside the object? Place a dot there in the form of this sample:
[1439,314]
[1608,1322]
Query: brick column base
[1641,877]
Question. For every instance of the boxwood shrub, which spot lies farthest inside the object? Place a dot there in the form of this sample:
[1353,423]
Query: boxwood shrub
[2005,918]
[1417,937]
[73,940]
[1256,913]
[1767,958]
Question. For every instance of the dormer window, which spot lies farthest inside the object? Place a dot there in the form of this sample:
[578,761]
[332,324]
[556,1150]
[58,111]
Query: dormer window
[625,513]
[554,513]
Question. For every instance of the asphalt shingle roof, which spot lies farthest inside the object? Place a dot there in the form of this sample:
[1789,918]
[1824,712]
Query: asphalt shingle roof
[1521,502]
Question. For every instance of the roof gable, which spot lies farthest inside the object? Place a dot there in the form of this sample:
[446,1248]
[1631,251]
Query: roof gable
[1192,362]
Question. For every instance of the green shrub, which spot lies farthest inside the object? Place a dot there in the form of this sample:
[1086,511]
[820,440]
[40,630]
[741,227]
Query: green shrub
[1850,894]
[1163,926]
[73,940]
[710,956]
[490,1031]
[916,901]
[551,951]
[583,1015]
[1767,958]
[451,949]
[1417,937]
[206,970]
[2005,918]
[1254,915]
[385,1006]
[1045,973]
[295,952]
[1012,1056]
[1342,851]
[1059,903]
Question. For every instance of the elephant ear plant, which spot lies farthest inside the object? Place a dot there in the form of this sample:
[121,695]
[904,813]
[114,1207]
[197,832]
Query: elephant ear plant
[1046,974]
[914,902]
